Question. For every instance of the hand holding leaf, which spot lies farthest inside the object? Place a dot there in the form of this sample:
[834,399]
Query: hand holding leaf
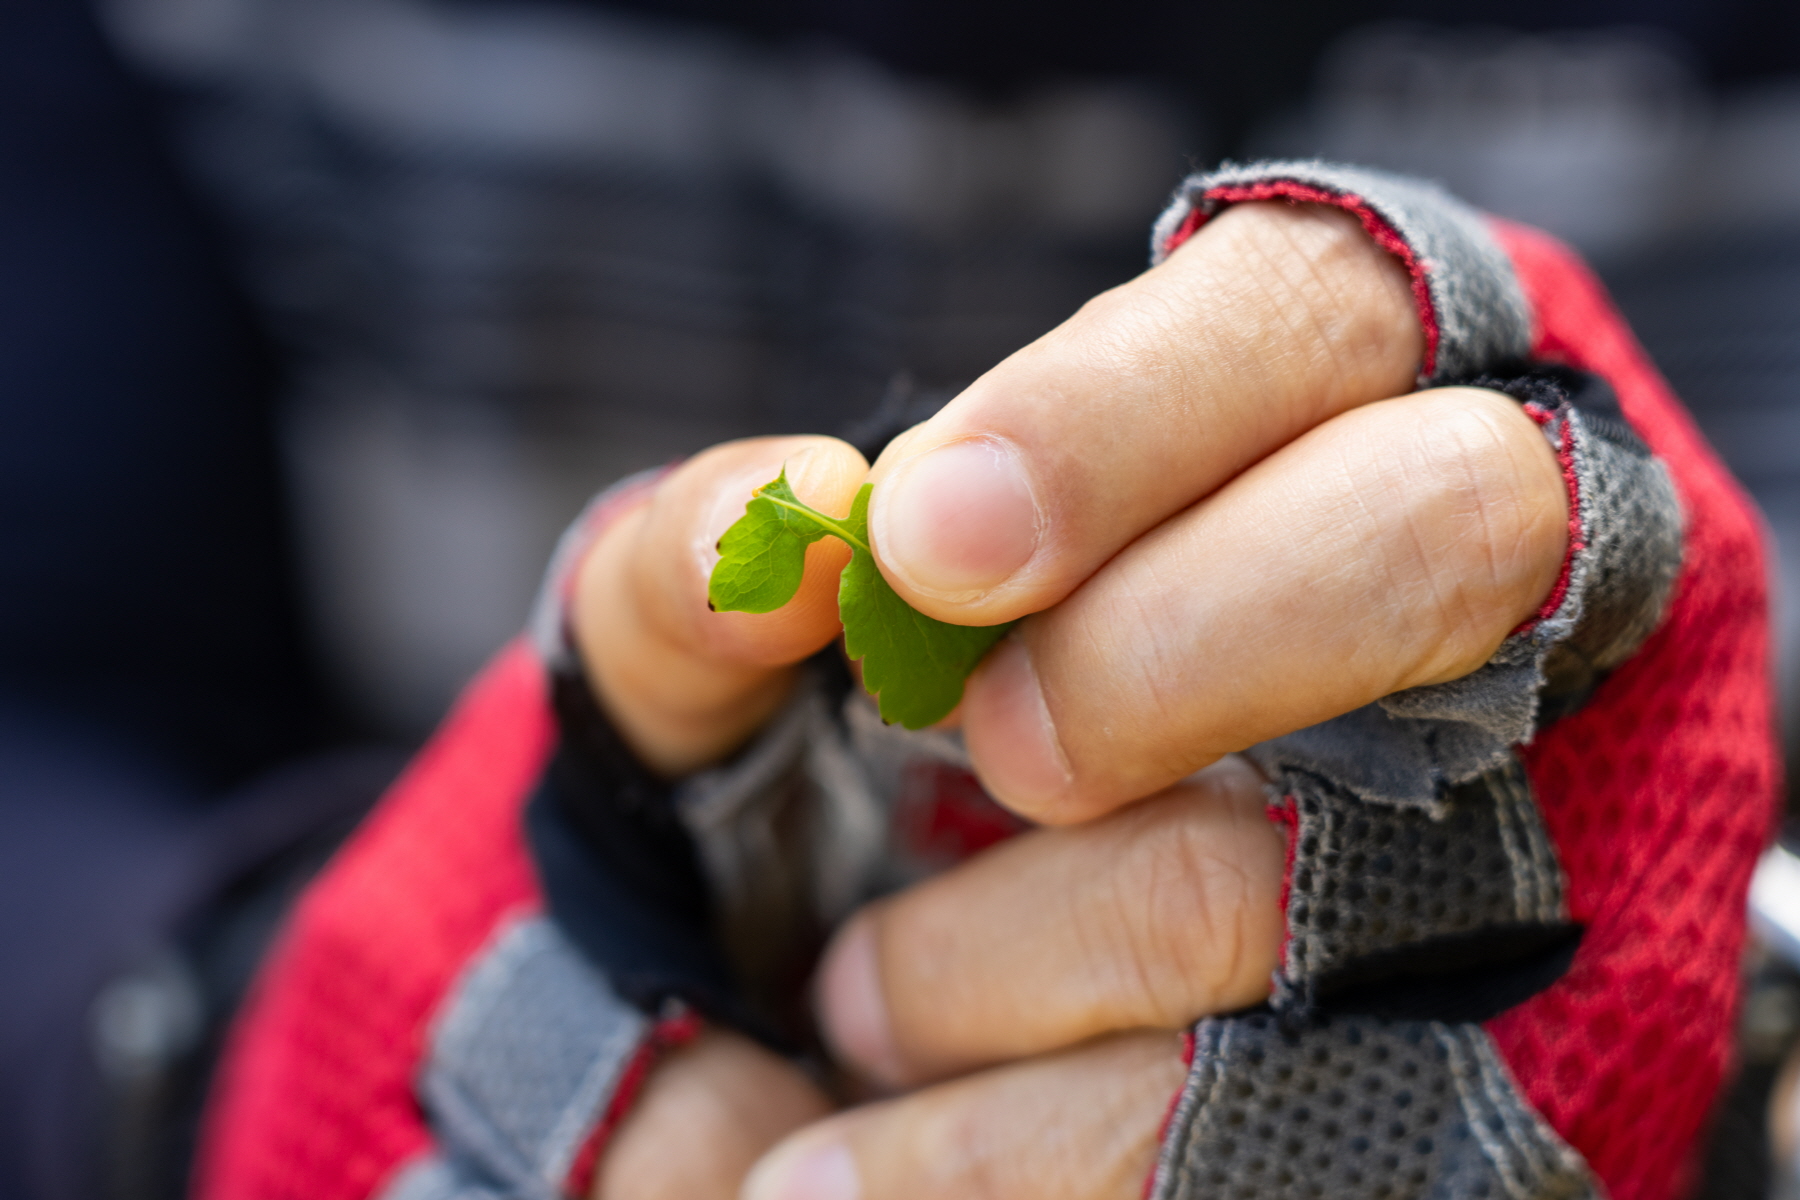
[914,665]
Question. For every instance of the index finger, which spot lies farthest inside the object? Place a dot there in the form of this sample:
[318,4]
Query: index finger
[1270,320]
[685,684]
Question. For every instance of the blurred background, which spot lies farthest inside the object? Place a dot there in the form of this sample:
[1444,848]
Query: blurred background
[320,318]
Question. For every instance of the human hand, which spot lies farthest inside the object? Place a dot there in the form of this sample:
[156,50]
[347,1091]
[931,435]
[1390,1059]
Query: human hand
[683,684]
[1036,951]
[1045,980]
[1215,419]
[1220,513]
[1225,533]
[1164,434]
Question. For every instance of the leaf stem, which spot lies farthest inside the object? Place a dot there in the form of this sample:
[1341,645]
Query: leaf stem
[832,526]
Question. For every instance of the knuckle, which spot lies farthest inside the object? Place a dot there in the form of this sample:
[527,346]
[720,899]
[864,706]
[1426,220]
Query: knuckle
[1179,910]
[1349,300]
[1132,718]
[1481,522]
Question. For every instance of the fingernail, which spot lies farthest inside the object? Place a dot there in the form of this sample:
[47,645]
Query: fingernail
[854,1007]
[1011,735]
[805,1170]
[957,521]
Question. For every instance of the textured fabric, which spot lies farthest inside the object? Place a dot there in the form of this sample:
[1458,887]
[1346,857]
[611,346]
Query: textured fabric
[1357,1109]
[1658,795]
[1624,522]
[1380,893]
[1625,533]
[617,866]
[432,1178]
[1625,549]
[1655,796]
[524,1060]
[547,626]
[1474,315]
[315,1099]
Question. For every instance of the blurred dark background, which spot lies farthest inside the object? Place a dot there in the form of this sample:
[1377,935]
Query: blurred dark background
[319,319]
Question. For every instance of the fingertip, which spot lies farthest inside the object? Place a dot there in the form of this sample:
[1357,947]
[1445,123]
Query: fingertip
[1013,740]
[853,1006]
[826,473]
[816,1165]
[954,525]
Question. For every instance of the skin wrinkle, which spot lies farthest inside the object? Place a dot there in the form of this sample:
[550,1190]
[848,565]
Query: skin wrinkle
[1124,1145]
[1188,864]
[1176,373]
[1096,923]
[1061,1165]
[1463,445]
[1080,1125]
[1259,423]
[1329,324]
[1371,659]
[1295,345]
[1481,507]
[1153,687]
[1194,365]
[1128,1103]
[1104,923]
[1419,488]
[974,1156]
[1332,312]
[1238,903]
[1122,383]
[1518,468]
[1059,1156]
[1153,382]
[1204,360]
[1145,670]
[1433,623]
[1156,674]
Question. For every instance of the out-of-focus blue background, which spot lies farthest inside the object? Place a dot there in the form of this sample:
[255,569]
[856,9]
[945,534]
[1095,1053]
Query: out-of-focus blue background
[319,319]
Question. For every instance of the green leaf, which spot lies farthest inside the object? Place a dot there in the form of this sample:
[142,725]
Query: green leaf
[763,555]
[914,665]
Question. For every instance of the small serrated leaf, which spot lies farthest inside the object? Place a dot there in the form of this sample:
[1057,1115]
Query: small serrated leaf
[914,665]
[763,555]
